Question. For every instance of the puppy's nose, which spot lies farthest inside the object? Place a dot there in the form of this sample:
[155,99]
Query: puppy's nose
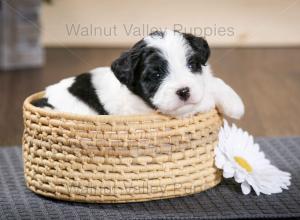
[183,93]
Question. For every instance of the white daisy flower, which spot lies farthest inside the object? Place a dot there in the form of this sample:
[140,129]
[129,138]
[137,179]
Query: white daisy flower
[241,158]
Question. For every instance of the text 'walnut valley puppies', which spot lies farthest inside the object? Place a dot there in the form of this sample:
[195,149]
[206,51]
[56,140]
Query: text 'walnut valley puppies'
[165,71]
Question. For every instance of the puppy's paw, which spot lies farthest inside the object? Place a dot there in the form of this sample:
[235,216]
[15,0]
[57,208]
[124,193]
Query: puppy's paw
[227,100]
[233,106]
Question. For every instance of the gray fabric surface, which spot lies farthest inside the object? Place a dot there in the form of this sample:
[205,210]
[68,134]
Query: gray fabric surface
[222,202]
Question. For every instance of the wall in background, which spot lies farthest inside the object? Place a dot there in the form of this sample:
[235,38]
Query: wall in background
[120,23]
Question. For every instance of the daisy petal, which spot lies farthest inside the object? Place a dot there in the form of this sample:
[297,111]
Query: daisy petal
[239,177]
[246,188]
[228,171]
[220,159]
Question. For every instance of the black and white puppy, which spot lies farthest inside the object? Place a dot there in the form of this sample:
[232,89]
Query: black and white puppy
[165,72]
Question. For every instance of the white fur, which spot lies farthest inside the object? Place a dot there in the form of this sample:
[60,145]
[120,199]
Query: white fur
[116,97]
[59,96]
[227,101]
[206,91]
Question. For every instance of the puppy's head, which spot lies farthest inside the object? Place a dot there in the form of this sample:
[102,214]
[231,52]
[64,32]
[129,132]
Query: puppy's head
[167,70]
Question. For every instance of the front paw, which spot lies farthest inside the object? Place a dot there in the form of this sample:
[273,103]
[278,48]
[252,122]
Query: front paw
[227,100]
[233,107]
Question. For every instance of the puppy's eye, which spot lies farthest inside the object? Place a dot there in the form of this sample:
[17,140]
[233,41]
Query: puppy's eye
[194,66]
[156,75]
[153,76]
[191,66]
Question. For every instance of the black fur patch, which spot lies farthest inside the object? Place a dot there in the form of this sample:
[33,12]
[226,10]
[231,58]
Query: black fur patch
[153,68]
[83,89]
[43,102]
[201,52]
[141,69]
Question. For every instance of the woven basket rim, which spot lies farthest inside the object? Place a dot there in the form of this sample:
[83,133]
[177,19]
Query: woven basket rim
[107,118]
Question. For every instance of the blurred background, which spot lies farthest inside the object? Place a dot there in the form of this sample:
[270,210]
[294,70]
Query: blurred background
[255,49]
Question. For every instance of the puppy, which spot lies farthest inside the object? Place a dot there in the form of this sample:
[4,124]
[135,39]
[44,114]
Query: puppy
[165,72]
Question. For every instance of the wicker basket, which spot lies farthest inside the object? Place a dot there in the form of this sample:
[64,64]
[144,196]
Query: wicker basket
[110,159]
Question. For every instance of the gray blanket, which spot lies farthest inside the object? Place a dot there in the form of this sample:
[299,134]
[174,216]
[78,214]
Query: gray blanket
[222,202]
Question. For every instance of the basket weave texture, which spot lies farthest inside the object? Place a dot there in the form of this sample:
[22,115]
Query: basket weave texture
[110,159]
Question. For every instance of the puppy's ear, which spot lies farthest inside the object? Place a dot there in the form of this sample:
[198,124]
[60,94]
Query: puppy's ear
[200,45]
[126,65]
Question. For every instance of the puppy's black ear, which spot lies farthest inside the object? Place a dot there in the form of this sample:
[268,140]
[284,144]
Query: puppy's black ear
[126,65]
[200,45]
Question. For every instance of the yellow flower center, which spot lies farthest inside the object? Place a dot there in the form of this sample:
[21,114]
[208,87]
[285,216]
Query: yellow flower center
[243,163]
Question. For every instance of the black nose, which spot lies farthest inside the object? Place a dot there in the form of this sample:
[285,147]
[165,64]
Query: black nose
[183,93]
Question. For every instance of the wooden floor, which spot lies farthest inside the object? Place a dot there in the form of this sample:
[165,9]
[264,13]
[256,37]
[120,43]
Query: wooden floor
[268,80]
